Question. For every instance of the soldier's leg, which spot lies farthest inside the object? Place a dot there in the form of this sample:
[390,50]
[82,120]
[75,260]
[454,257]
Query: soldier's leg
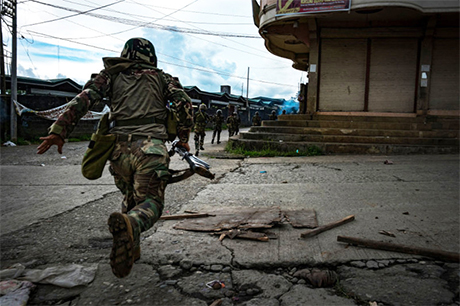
[203,134]
[213,136]
[196,138]
[218,136]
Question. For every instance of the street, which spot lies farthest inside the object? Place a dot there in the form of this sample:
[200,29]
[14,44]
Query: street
[53,217]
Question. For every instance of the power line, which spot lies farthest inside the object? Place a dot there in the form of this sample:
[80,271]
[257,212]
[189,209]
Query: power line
[79,13]
[147,25]
[207,70]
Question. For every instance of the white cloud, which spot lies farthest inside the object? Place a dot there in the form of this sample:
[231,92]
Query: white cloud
[85,40]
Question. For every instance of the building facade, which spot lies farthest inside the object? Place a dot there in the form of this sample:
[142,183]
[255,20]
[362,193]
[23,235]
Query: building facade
[397,58]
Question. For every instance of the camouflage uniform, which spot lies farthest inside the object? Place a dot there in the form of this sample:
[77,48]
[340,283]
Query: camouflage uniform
[218,120]
[231,125]
[237,123]
[201,120]
[139,94]
[273,116]
[256,120]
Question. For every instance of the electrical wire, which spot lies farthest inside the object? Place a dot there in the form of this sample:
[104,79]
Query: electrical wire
[78,13]
[147,25]
[168,63]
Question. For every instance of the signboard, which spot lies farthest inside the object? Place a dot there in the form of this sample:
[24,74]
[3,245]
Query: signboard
[284,7]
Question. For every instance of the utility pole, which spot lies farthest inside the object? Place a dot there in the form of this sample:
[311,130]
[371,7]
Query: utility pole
[9,9]
[14,78]
[247,99]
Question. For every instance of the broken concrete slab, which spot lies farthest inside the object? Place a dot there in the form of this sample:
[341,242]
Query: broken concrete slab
[195,285]
[305,296]
[396,284]
[269,285]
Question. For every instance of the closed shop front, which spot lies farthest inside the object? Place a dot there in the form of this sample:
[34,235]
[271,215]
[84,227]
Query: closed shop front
[343,74]
[393,75]
[444,91]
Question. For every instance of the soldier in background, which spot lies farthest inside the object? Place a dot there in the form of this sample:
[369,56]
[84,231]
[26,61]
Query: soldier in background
[218,120]
[273,116]
[201,119]
[139,163]
[237,123]
[256,120]
[231,125]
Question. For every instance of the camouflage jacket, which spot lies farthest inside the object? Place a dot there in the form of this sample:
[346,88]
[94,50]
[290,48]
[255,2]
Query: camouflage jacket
[218,120]
[201,120]
[136,90]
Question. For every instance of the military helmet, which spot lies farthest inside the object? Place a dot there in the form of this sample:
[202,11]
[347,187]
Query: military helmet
[273,112]
[140,49]
[203,107]
[257,113]
[219,111]
[234,113]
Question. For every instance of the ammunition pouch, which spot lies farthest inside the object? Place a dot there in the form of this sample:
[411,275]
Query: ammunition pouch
[172,121]
[99,150]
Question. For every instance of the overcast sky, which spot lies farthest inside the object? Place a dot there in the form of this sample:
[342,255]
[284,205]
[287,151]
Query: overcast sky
[68,38]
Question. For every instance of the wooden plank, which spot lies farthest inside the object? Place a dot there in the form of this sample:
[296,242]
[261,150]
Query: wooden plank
[326,227]
[301,218]
[184,216]
[436,254]
[227,220]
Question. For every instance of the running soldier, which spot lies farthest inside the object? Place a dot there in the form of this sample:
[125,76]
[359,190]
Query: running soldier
[139,163]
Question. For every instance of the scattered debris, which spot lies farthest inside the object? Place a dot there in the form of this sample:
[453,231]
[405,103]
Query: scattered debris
[318,278]
[263,171]
[15,293]
[405,213]
[301,218]
[436,254]
[239,223]
[216,303]
[9,144]
[244,218]
[388,162]
[66,276]
[244,234]
[326,227]
[63,157]
[215,284]
[387,233]
[373,304]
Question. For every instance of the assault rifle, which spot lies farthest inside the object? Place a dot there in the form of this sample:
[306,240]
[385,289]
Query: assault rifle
[197,165]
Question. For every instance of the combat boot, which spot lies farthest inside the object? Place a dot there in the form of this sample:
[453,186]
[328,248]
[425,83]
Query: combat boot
[212,141]
[202,148]
[122,254]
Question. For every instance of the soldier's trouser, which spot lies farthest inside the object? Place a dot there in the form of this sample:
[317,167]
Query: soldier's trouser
[140,171]
[199,140]
[216,131]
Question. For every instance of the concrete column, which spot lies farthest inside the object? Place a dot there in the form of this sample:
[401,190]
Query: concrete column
[312,92]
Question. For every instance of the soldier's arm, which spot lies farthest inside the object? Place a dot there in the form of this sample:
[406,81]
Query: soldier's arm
[93,92]
[182,104]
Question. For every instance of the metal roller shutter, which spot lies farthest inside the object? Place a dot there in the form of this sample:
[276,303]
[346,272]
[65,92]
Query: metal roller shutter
[342,75]
[393,75]
[444,92]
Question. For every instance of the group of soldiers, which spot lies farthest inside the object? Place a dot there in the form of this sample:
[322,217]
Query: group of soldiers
[201,119]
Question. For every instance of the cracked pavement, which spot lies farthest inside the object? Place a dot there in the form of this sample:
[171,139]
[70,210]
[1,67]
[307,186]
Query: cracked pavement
[51,216]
